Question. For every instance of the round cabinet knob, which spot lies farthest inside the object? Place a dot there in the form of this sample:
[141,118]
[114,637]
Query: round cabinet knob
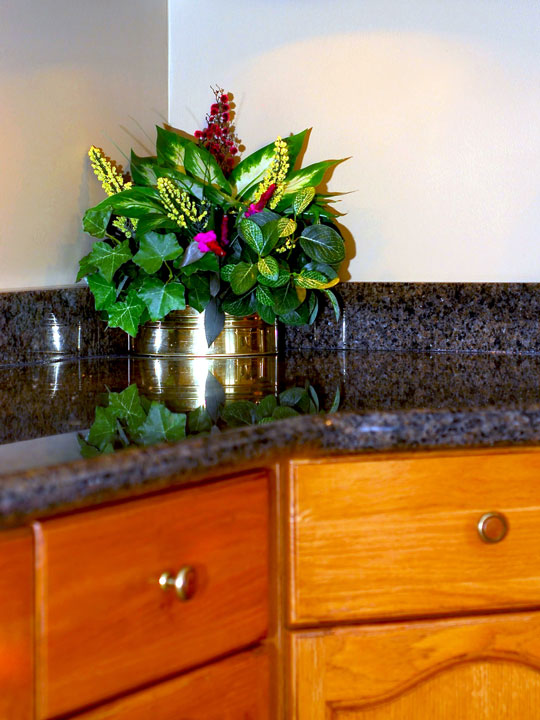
[492,527]
[184,583]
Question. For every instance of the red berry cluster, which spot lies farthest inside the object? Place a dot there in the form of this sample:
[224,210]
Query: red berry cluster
[219,137]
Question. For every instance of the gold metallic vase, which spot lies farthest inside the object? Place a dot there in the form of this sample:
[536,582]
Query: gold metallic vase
[181,334]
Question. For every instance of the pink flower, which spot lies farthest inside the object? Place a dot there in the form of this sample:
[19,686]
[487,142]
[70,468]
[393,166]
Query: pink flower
[207,242]
[261,203]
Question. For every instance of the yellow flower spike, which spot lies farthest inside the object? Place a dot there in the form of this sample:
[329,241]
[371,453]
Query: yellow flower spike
[109,175]
[275,174]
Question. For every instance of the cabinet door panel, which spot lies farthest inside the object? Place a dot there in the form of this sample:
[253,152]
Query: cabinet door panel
[234,689]
[388,538]
[16,625]
[471,669]
[107,627]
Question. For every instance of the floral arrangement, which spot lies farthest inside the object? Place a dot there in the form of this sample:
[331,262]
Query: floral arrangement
[197,225]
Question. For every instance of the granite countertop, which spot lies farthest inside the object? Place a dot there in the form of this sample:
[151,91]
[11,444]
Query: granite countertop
[388,400]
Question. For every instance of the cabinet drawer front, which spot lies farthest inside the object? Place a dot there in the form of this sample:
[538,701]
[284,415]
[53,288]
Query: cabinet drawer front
[106,624]
[233,689]
[389,538]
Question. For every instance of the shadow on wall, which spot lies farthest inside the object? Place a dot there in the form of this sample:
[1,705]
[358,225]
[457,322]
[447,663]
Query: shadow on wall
[445,146]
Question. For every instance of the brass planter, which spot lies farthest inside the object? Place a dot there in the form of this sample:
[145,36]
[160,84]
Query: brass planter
[181,334]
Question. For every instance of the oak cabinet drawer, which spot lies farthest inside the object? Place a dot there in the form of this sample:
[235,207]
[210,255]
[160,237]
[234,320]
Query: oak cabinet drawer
[233,689]
[383,538]
[105,624]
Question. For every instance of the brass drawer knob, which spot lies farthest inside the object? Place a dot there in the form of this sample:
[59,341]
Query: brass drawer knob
[184,582]
[492,527]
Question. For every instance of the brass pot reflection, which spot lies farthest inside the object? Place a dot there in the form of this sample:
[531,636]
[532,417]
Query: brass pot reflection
[180,383]
[181,334]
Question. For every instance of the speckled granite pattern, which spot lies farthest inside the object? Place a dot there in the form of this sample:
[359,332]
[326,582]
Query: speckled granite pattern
[38,325]
[390,401]
[428,317]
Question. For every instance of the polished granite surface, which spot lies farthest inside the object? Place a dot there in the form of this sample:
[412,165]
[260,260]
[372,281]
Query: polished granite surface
[78,432]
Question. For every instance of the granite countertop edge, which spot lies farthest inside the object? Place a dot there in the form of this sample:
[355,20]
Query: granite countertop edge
[42,492]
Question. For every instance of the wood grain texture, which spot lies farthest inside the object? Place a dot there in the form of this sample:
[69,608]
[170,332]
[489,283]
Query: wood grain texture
[233,689]
[471,669]
[16,625]
[398,537]
[105,624]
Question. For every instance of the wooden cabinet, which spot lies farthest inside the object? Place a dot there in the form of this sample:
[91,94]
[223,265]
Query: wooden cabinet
[377,539]
[472,669]
[233,689]
[16,625]
[105,624]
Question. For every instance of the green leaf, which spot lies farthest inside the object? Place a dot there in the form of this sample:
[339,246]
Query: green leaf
[336,401]
[323,244]
[155,249]
[127,406]
[270,233]
[302,199]
[143,170]
[96,219]
[226,272]
[266,407]
[286,226]
[161,425]
[295,396]
[108,259]
[281,413]
[162,298]
[199,421]
[311,175]
[103,429]
[247,175]
[252,234]
[199,261]
[89,451]
[202,164]
[264,296]
[314,280]
[283,277]
[155,221]
[298,316]
[198,291]
[170,147]
[239,413]
[126,315]
[135,202]
[285,299]
[266,313]
[199,189]
[104,292]
[214,321]
[86,266]
[313,308]
[334,302]
[243,277]
[239,307]
[269,267]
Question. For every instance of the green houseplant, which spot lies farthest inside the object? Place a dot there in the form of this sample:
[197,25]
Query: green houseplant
[195,225]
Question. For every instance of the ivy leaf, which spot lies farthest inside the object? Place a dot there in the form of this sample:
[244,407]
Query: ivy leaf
[126,315]
[127,406]
[198,291]
[162,298]
[252,234]
[155,249]
[269,267]
[266,407]
[302,199]
[200,163]
[103,429]
[96,219]
[108,259]
[323,244]
[86,266]
[247,175]
[243,277]
[280,413]
[104,292]
[161,425]
[239,413]
[199,421]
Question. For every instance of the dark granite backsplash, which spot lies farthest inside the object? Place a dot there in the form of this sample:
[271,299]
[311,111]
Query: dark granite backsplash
[39,325]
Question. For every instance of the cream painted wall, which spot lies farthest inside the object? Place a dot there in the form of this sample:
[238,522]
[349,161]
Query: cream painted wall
[72,73]
[437,102]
